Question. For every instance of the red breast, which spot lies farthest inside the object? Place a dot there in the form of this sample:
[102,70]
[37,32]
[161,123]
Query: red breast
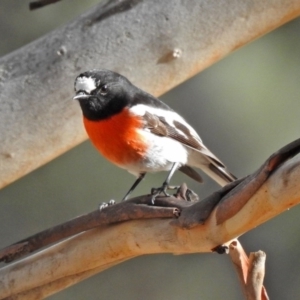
[117,137]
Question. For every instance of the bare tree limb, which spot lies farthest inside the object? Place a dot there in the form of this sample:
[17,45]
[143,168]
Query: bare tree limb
[256,274]
[250,271]
[118,213]
[84,254]
[240,262]
[157,44]
[230,199]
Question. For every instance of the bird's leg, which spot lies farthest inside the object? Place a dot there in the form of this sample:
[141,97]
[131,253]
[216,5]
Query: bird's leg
[135,184]
[163,189]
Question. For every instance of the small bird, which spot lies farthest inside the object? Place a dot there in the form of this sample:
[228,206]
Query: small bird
[139,133]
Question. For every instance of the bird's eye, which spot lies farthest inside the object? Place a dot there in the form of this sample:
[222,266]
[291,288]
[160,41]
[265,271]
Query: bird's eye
[103,90]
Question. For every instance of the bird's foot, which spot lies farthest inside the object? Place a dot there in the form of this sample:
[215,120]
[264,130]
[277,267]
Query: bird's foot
[104,204]
[161,190]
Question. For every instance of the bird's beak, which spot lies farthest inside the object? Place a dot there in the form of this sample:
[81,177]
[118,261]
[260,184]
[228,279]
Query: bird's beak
[81,96]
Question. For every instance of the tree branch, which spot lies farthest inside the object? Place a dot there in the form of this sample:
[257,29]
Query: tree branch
[95,250]
[227,201]
[157,44]
[250,271]
[121,212]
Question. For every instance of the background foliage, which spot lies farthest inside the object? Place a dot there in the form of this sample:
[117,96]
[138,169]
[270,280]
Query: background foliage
[244,107]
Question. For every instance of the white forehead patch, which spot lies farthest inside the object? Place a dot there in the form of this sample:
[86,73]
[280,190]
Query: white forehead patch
[86,84]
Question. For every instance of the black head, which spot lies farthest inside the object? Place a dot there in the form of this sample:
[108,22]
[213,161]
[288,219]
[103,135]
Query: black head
[102,93]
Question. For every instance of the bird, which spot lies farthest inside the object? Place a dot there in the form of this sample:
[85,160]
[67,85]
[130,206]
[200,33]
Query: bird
[140,133]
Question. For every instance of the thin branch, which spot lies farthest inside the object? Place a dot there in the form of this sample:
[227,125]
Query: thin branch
[118,213]
[240,262]
[136,208]
[255,278]
[250,271]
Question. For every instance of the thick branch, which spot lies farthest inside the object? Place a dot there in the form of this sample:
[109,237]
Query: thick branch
[101,248]
[227,201]
[157,44]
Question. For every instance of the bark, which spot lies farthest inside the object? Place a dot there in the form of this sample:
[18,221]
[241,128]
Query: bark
[250,270]
[83,255]
[184,205]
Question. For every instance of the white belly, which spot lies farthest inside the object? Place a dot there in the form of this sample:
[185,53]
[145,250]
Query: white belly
[163,152]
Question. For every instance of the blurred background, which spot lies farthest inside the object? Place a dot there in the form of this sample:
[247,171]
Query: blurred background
[245,107]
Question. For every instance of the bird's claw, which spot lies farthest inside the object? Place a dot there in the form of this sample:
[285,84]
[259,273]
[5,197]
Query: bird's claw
[104,204]
[156,191]
[161,190]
